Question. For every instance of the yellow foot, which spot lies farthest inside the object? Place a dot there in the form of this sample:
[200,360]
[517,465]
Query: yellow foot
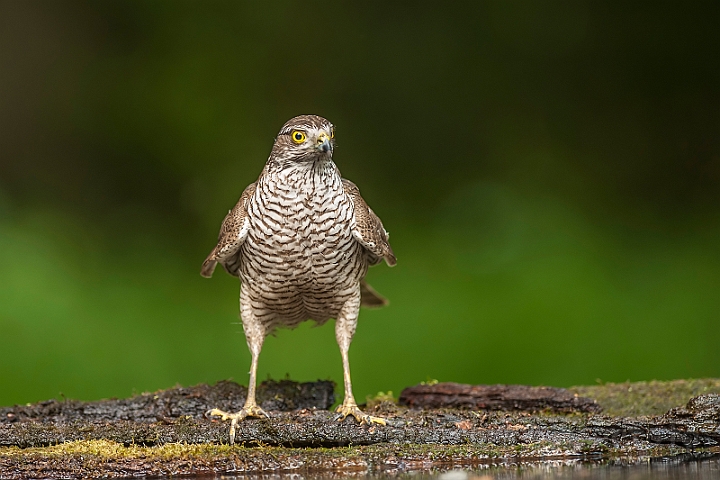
[352,409]
[247,411]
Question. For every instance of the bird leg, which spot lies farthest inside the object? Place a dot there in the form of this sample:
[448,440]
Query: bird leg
[251,408]
[344,331]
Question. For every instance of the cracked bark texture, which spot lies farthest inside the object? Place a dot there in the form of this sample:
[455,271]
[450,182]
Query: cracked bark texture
[111,430]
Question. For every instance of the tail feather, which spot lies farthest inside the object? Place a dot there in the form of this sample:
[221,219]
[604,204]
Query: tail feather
[369,297]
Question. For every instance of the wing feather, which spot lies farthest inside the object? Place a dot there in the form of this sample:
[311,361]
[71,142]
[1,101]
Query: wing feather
[369,230]
[233,232]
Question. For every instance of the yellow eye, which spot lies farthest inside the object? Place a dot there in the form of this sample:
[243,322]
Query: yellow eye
[298,136]
[332,133]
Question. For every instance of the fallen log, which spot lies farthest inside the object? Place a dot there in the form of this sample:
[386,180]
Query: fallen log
[166,432]
[496,397]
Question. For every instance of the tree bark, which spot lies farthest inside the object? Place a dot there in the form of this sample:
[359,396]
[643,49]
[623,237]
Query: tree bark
[136,434]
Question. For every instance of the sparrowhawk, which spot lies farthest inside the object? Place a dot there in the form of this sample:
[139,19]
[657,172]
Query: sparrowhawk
[301,239]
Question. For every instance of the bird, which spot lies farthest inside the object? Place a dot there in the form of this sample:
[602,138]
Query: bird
[301,239]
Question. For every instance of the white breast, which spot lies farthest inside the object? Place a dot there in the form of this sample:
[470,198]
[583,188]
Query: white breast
[300,257]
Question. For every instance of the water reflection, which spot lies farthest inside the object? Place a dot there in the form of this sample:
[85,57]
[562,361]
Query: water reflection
[682,467]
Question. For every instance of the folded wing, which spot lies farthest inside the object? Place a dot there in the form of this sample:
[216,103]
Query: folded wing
[233,232]
[369,230]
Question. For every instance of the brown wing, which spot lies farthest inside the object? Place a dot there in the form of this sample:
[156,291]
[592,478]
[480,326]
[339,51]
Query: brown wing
[369,229]
[232,235]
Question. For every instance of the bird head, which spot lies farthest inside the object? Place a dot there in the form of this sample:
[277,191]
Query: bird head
[305,138]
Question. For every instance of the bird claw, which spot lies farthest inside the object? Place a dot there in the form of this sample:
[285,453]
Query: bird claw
[235,418]
[363,418]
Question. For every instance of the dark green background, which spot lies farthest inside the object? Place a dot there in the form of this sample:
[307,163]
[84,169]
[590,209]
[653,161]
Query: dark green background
[549,173]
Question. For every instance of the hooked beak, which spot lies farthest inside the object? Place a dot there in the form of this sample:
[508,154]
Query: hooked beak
[323,143]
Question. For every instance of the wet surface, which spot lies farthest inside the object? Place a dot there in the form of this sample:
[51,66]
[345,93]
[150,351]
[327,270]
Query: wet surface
[168,405]
[694,425]
[166,433]
[681,467]
[496,397]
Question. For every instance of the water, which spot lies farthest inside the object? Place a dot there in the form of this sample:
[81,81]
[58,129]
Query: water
[682,467]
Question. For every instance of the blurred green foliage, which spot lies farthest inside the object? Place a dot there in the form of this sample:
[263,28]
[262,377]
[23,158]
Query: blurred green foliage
[549,173]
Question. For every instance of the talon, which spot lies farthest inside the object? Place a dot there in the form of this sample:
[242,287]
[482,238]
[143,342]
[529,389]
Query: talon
[215,412]
[362,418]
[369,420]
[247,411]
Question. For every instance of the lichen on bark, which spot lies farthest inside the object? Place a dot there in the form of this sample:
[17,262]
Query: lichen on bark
[167,433]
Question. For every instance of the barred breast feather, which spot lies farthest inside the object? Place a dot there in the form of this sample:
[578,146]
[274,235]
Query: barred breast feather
[301,239]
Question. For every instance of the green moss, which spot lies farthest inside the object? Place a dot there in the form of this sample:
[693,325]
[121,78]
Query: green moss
[106,449]
[379,398]
[646,398]
[97,458]
[103,458]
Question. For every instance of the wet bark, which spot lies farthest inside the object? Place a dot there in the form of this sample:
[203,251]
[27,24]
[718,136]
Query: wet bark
[512,421]
[496,397]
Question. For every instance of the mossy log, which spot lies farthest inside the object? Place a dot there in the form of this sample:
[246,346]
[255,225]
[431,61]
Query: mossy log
[167,433]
